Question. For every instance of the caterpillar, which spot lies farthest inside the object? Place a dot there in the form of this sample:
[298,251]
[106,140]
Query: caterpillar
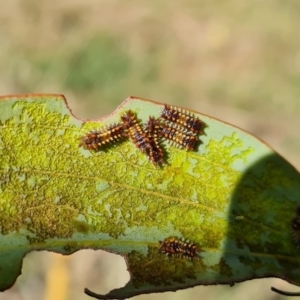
[156,152]
[143,139]
[135,131]
[98,138]
[183,118]
[180,138]
[153,126]
[181,248]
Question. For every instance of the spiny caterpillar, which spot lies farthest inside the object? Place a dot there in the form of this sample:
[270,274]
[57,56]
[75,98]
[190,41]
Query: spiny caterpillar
[156,152]
[98,138]
[180,138]
[181,248]
[183,118]
[153,126]
[135,131]
[142,139]
[173,133]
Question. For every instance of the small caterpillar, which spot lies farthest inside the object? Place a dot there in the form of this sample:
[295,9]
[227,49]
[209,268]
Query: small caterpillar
[156,153]
[175,247]
[182,139]
[143,139]
[183,118]
[153,126]
[98,138]
[135,131]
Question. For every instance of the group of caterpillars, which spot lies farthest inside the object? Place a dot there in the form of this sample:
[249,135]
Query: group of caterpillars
[180,248]
[175,125]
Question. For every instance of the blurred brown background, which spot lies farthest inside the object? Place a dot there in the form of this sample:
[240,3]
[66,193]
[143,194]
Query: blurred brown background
[236,60]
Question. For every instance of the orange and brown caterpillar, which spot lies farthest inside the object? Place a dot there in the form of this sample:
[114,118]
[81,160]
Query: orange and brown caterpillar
[180,138]
[156,152]
[99,138]
[175,247]
[135,131]
[153,126]
[183,118]
[142,138]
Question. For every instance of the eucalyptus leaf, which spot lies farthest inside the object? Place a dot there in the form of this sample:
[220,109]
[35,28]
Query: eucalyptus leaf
[234,198]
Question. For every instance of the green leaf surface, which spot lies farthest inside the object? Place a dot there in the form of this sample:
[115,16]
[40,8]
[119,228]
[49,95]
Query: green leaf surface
[234,197]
